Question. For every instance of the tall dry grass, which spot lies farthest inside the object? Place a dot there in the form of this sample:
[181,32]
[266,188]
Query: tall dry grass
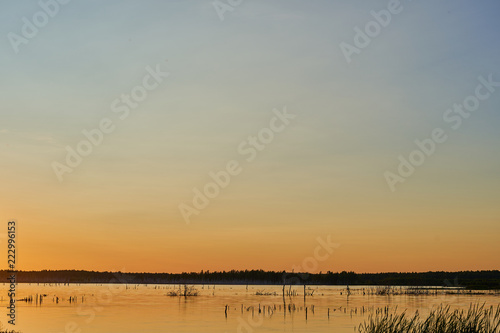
[477,319]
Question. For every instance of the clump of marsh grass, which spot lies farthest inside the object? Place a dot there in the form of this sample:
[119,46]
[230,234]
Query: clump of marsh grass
[188,291]
[265,293]
[477,319]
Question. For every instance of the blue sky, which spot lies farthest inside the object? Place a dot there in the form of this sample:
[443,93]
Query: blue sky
[353,120]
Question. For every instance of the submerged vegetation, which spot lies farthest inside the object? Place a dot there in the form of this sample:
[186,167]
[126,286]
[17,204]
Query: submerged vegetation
[477,319]
[265,293]
[5,330]
[186,291]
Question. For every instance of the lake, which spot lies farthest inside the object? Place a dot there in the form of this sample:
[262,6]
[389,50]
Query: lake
[118,308]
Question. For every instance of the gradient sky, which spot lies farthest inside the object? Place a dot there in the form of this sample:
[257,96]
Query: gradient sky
[323,175]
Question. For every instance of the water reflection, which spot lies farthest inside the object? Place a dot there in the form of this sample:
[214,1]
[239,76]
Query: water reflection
[160,308]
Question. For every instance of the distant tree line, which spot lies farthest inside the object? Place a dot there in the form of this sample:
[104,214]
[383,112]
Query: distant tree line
[466,279]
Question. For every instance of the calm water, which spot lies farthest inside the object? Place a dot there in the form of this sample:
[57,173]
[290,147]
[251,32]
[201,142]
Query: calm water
[147,308]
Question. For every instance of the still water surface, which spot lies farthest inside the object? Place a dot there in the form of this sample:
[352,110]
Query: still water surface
[117,308]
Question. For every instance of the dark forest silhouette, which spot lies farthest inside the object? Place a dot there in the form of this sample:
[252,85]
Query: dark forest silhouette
[465,279]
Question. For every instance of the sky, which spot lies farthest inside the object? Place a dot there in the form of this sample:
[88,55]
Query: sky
[306,137]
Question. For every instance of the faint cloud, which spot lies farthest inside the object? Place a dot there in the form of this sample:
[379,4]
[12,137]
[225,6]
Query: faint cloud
[47,139]
[31,138]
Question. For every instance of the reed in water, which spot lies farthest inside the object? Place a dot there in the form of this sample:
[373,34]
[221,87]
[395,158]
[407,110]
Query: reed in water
[477,319]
